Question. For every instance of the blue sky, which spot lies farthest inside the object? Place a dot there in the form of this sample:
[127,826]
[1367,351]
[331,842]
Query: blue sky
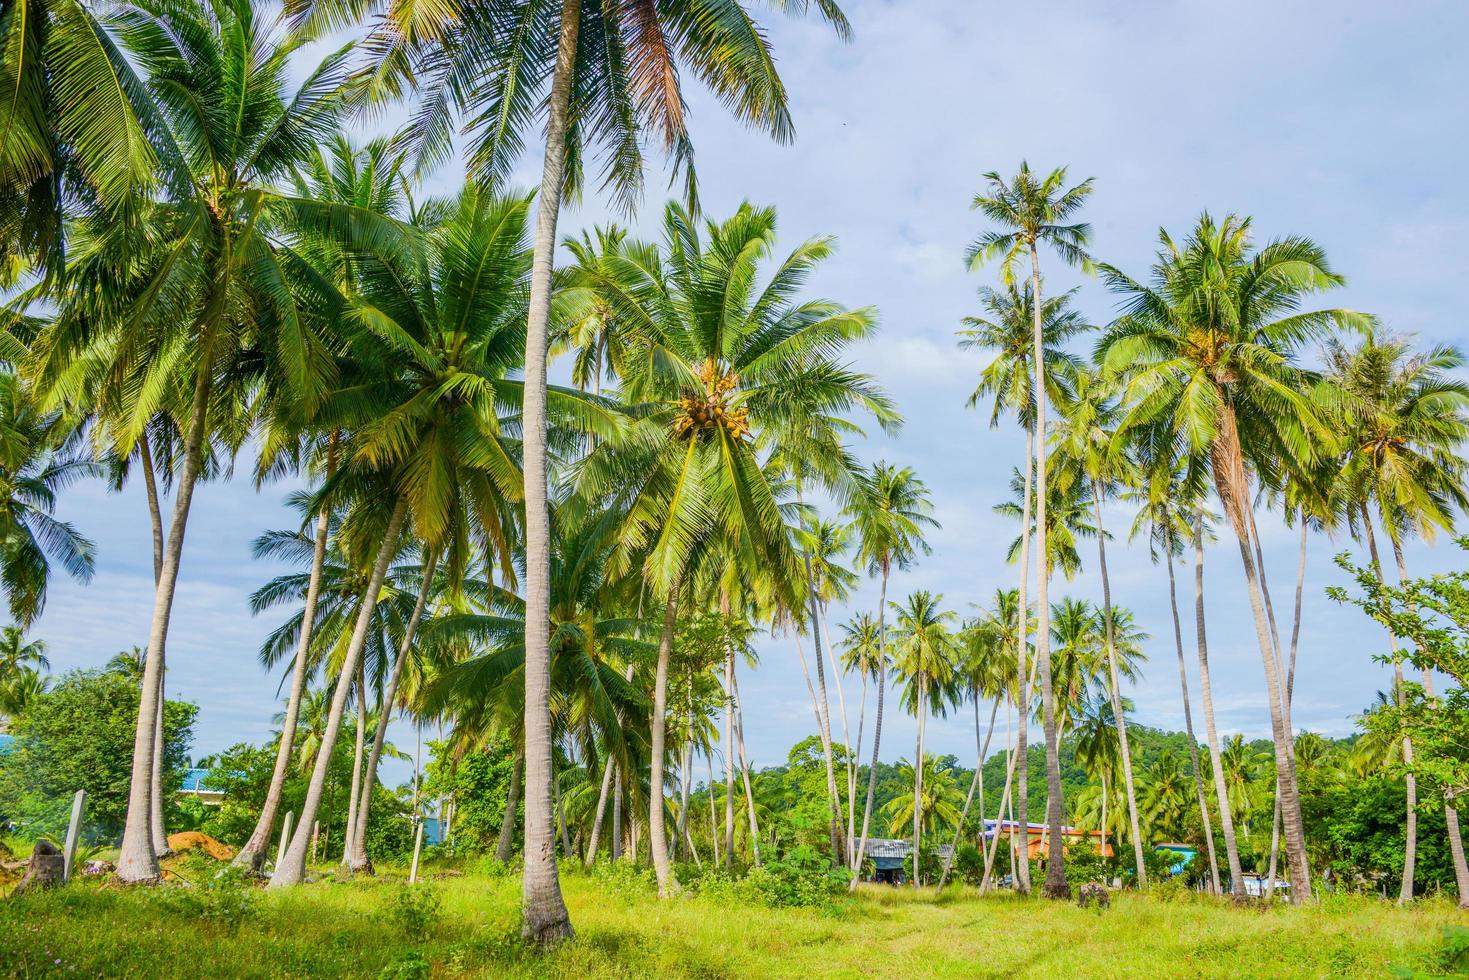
[1342,122]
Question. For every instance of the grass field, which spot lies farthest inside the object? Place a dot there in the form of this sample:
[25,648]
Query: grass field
[365,928]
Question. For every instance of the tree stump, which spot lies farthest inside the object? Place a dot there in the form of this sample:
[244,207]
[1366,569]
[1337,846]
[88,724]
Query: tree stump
[44,869]
[1093,894]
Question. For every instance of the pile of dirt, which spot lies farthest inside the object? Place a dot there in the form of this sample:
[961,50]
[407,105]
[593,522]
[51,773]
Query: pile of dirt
[191,839]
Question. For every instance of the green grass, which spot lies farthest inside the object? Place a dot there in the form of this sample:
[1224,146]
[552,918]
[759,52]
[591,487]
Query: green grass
[347,929]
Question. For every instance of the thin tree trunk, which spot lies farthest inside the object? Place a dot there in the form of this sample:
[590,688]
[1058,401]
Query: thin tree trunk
[882,672]
[729,760]
[293,867]
[918,784]
[137,862]
[1114,688]
[1188,722]
[713,814]
[823,734]
[745,776]
[1056,886]
[615,844]
[360,860]
[1232,485]
[657,837]
[155,522]
[1410,828]
[974,784]
[607,771]
[252,855]
[545,921]
[355,793]
[561,819]
[856,763]
[1290,688]
[846,737]
[1206,698]
[1021,799]
[505,846]
[683,791]
[1005,800]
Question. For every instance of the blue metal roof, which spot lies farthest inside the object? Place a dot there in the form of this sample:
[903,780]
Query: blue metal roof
[6,741]
[194,782]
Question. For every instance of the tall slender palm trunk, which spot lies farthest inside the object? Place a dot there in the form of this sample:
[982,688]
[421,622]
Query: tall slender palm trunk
[976,783]
[882,671]
[713,814]
[1006,800]
[1023,673]
[834,825]
[729,760]
[821,703]
[1211,732]
[601,812]
[155,523]
[360,862]
[545,921]
[1114,689]
[1056,886]
[849,757]
[686,762]
[354,792]
[1290,689]
[1188,723]
[138,862]
[252,855]
[667,886]
[292,867]
[1232,485]
[1410,824]
[505,845]
[918,783]
[745,775]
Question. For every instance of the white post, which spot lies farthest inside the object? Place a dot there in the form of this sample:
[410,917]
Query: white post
[417,845]
[315,835]
[280,851]
[73,834]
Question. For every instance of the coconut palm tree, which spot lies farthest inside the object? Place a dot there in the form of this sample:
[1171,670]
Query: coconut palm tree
[890,513]
[1404,419]
[605,76]
[924,659]
[17,653]
[1035,211]
[939,796]
[1070,516]
[723,358]
[1009,330]
[859,652]
[196,285]
[1207,347]
[1088,448]
[19,689]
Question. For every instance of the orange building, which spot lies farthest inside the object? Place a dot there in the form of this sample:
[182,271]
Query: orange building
[1035,836]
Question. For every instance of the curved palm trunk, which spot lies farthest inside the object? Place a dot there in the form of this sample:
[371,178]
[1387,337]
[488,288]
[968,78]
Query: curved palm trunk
[882,671]
[505,846]
[918,784]
[1290,688]
[745,775]
[601,812]
[545,920]
[976,783]
[360,861]
[1005,801]
[292,868]
[252,855]
[834,828]
[1232,485]
[729,760]
[137,862]
[1023,675]
[857,765]
[1410,826]
[713,814]
[1114,688]
[657,836]
[686,763]
[155,522]
[1188,722]
[354,792]
[846,739]
[1206,698]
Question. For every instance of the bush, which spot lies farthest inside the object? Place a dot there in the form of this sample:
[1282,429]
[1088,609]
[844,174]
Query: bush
[802,879]
[624,880]
[1085,864]
[414,910]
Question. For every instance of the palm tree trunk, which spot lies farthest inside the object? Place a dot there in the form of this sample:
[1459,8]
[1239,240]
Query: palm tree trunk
[1232,485]
[856,764]
[975,783]
[505,846]
[252,855]
[137,862]
[1114,689]
[355,793]
[745,775]
[1105,776]
[607,771]
[834,827]
[1188,723]
[1410,827]
[561,818]
[683,791]
[846,738]
[713,814]
[656,834]
[1206,698]
[155,522]
[1005,800]
[545,921]
[1056,886]
[918,784]
[1021,873]
[1290,688]
[882,672]
[360,861]
[729,760]
[615,844]
[292,868]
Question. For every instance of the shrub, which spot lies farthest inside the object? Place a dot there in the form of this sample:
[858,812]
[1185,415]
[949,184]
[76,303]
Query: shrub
[1085,865]
[409,966]
[802,879]
[624,880]
[414,910]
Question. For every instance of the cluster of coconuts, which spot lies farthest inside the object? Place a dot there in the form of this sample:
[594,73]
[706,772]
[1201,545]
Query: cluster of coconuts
[709,409]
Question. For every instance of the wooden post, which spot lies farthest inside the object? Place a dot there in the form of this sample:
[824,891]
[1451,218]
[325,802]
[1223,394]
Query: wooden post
[417,846]
[73,834]
[280,851]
